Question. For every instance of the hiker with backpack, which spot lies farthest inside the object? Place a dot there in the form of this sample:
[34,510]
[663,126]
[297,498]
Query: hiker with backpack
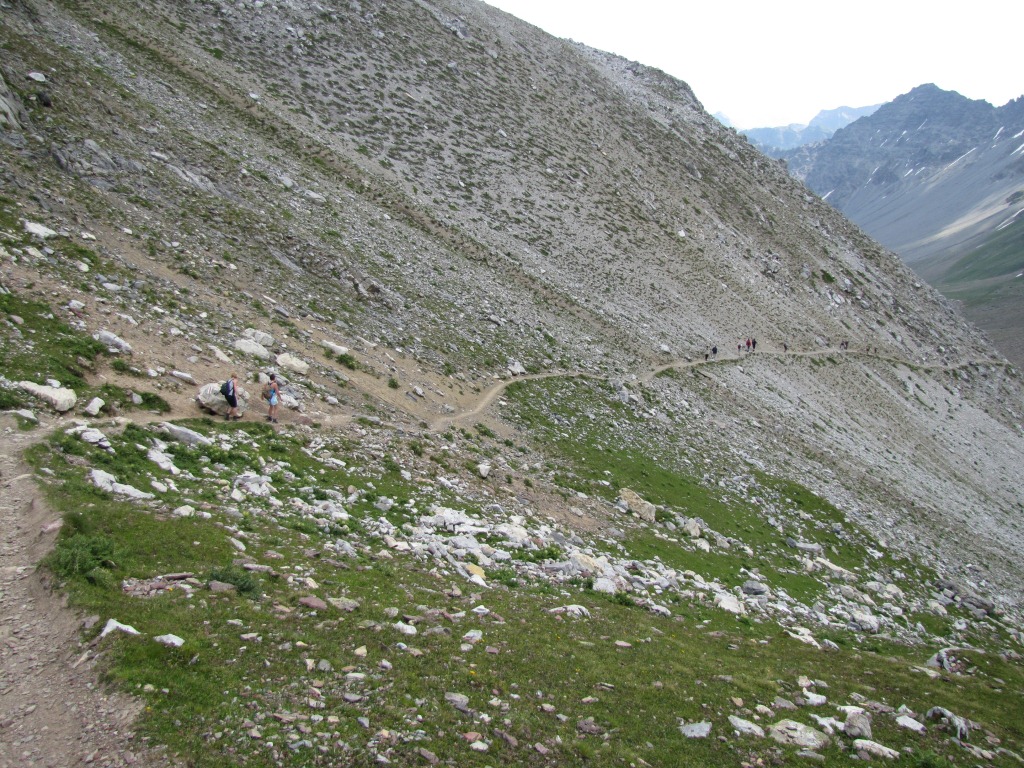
[272,394]
[230,391]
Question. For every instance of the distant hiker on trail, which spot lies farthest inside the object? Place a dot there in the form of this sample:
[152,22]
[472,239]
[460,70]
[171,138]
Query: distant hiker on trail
[785,347]
[714,351]
[230,391]
[706,356]
[753,345]
[272,394]
[739,348]
[748,344]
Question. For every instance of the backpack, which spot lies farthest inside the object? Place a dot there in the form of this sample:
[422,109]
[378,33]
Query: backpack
[266,392]
[225,388]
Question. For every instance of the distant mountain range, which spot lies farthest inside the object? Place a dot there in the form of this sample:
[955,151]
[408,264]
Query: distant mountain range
[774,141]
[938,178]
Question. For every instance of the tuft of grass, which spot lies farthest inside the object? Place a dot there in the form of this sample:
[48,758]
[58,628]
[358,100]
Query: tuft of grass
[80,554]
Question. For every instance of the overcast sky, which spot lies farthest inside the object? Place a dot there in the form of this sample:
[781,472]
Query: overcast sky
[766,64]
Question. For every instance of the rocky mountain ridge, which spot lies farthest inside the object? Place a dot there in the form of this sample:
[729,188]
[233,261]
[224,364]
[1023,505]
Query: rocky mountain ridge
[937,178]
[775,141]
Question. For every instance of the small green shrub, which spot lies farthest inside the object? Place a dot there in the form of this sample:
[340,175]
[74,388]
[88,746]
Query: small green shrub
[348,361]
[244,582]
[81,554]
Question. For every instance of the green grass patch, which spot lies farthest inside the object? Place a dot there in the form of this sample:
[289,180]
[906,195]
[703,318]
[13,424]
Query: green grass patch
[40,347]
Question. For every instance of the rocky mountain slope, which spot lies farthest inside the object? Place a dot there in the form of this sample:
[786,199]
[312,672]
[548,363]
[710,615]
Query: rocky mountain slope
[939,179]
[437,217]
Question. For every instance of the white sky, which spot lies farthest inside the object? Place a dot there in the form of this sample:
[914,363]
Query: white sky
[766,63]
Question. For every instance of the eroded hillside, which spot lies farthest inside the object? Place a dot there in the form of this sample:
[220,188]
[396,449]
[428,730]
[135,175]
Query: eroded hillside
[401,209]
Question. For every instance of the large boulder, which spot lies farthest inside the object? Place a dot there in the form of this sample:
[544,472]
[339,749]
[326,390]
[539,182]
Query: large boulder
[334,349]
[184,435]
[260,337]
[61,399]
[293,363]
[637,505]
[798,735]
[209,399]
[254,348]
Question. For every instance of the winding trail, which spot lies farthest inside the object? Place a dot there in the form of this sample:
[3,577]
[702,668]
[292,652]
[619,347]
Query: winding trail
[492,393]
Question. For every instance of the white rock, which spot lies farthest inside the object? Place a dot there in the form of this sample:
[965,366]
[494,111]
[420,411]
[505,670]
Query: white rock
[172,640]
[38,230]
[219,353]
[163,461]
[292,363]
[60,399]
[637,505]
[729,602]
[113,341]
[94,406]
[798,734]
[863,620]
[814,699]
[113,625]
[335,349]
[875,749]
[746,727]
[184,434]
[695,730]
[254,348]
[260,337]
[905,721]
[107,482]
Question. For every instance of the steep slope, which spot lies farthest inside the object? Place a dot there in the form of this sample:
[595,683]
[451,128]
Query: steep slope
[444,196]
[506,197]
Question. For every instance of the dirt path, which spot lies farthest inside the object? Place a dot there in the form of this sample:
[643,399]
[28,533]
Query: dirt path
[53,711]
[492,393]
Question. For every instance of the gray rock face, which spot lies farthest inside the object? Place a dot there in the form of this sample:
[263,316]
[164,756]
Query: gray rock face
[858,725]
[745,727]
[637,505]
[797,734]
[13,116]
[254,348]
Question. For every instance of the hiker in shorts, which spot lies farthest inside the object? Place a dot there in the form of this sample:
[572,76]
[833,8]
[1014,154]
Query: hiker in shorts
[230,391]
[273,395]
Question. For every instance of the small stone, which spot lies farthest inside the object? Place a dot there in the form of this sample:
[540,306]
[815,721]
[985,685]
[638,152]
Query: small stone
[313,602]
